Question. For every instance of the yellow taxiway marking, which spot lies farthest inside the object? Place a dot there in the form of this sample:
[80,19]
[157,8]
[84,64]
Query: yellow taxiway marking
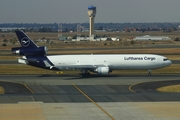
[28,88]
[158,89]
[20,84]
[130,88]
[93,101]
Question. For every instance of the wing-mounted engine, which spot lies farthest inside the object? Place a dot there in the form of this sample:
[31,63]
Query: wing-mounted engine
[102,70]
[30,51]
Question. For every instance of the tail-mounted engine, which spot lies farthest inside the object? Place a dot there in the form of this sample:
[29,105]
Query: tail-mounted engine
[30,51]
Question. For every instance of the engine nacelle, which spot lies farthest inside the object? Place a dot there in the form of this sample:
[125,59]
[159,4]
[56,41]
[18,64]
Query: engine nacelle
[30,51]
[102,70]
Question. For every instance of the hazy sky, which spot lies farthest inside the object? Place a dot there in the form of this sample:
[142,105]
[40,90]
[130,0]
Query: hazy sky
[75,11]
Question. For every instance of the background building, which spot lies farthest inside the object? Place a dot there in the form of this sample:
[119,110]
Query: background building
[148,37]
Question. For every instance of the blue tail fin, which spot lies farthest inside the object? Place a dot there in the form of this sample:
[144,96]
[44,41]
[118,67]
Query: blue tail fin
[24,40]
[29,48]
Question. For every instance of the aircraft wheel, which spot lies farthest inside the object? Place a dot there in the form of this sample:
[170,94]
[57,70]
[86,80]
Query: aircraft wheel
[84,75]
[80,75]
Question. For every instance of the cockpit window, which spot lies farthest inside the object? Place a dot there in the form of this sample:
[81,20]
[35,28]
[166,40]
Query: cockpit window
[165,59]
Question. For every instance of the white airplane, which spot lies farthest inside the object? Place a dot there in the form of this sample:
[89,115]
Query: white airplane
[102,64]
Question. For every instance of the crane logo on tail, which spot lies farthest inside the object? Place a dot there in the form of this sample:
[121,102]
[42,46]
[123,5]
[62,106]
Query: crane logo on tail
[25,42]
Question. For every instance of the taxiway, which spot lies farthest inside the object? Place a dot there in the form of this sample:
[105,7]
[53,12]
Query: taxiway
[106,97]
[111,88]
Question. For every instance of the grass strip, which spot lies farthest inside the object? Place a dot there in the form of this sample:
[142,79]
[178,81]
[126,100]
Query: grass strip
[2,90]
[172,88]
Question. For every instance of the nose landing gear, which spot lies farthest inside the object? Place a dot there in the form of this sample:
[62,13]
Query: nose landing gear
[149,73]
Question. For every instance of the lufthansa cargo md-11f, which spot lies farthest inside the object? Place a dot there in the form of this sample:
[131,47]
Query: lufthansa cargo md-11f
[102,64]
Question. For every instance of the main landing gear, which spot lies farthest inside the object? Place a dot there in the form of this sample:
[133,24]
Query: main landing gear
[84,73]
[149,73]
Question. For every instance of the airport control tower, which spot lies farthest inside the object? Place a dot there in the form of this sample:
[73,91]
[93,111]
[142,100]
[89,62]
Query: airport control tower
[92,14]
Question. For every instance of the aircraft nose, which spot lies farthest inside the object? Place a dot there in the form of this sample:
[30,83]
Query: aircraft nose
[168,63]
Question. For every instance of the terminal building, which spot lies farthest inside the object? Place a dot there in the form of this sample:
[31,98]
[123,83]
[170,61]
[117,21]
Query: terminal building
[148,37]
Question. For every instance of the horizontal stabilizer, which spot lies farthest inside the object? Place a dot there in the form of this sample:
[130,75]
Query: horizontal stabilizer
[22,61]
